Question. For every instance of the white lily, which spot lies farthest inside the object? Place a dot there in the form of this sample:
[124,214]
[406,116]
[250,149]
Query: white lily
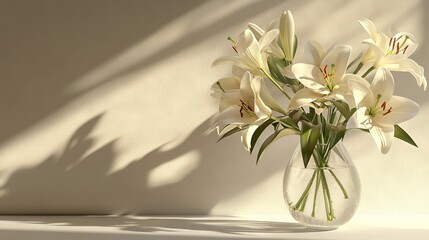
[287,34]
[274,47]
[252,54]
[380,111]
[247,107]
[392,53]
[328,80]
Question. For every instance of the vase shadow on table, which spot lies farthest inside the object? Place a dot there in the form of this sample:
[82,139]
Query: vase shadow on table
[170,224]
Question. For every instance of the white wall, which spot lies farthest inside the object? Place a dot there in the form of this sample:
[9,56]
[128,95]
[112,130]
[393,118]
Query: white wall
[104,105]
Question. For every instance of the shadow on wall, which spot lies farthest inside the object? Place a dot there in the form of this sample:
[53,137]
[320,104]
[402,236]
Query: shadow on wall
[58,43]
[78,181]
[47,45]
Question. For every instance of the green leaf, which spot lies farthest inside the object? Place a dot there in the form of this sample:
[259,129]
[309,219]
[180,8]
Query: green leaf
[266,143]
[275,65]
[258,133]
[309,137]
[344,109]
[286,121]
[401,134]
[337,133]
[230,132]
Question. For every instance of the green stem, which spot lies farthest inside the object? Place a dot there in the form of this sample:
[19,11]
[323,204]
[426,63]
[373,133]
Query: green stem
[313,213]
[339,184]
[328,200]
[304,202]
[325,197]
[368,71]
[275,83]
[358,68]
[298,204]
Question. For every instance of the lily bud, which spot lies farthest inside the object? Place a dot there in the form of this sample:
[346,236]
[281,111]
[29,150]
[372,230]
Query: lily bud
[287,34]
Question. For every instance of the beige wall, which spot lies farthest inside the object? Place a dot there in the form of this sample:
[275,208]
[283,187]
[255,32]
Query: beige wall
[104,105]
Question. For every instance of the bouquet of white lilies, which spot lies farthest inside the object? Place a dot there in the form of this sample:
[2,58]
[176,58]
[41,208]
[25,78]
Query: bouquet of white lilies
[323,98]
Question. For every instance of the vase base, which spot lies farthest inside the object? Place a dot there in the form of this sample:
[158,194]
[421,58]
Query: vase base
[321,228]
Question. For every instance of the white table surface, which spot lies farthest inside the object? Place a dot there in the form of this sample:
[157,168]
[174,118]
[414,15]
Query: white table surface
[205,227]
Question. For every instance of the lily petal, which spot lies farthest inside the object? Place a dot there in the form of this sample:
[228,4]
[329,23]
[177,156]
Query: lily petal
[315,52]
[402,110]
[369,27]
[264,101]
[359,120]
[340,56]
[267,39]
[231,115]
[286,132]
[407,65]
[247,134]
[303,97]
[246,91]
[235,60]
[383,137]
[309,75]
[383,85]
[229,98]
[248,49]
[256,30]
[358,87]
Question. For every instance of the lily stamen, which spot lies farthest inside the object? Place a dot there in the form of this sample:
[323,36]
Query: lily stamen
[395,47]
[405,49]
[388,111]
[246,108]
[383,106]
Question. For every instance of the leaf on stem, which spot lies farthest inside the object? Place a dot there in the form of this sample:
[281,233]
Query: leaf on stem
[337,133]
[287,122]
[276,135]
[258,133]
[275,65]
[344,109]
[309,136]
[401,134]
[230,132]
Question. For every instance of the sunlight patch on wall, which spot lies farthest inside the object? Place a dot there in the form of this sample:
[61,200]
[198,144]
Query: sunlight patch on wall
[173,171]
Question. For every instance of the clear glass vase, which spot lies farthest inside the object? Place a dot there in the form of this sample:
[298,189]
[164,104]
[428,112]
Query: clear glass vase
[325,194]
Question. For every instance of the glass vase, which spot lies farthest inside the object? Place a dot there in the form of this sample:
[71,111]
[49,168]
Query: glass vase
[325,194]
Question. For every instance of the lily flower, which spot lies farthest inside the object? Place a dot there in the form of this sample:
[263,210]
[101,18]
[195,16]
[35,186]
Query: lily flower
[251,52]
[284,47]
[380,111]
[328,80]
[274,47]
[247,107]
[392,53]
